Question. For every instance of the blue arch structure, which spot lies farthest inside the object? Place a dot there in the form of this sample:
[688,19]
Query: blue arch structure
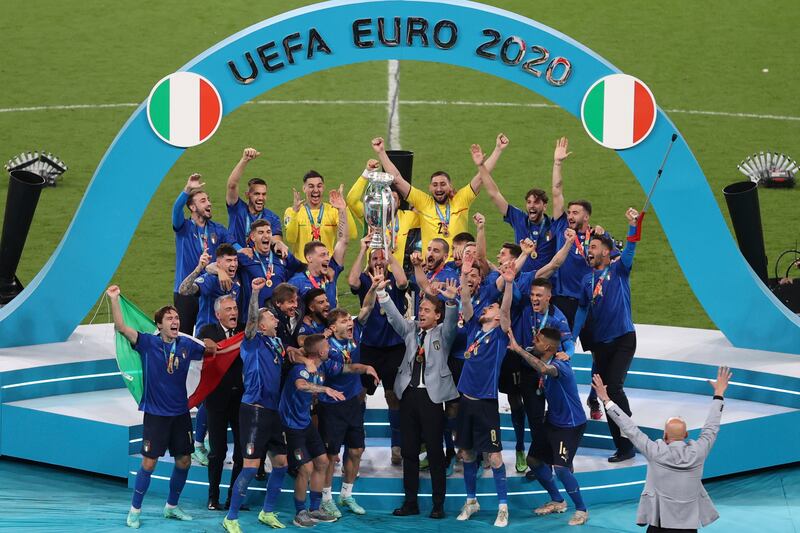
[732,295]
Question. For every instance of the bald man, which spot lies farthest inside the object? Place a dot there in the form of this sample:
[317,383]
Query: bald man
[673,499]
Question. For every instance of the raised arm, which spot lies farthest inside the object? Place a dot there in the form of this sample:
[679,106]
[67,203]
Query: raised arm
[550,268]
[396,320]
[232,190]
[291,222]
[466,295]
[192,184]
[251,328]
[355,195]
[479,158]
[630,247]
[708,435]
[342,230]
[188,286]
[419,274]
[642,442]
[501,143]
[508,295]
[354,276]
[116,312]
[450,323]
[378,284]
[400,183]
[559,155]
[480,239]
[537,364]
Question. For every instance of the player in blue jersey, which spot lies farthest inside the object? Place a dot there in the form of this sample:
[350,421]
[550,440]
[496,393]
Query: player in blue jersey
[306,448]
[606,294]
[241,215]
[263,354]
[167,423]
[432,269]
[323,268]
[342,423]
[381,347]
[210,285]
[533,223]
[315,319]
[270,260]
[193,236]
[478,415]
[564,425]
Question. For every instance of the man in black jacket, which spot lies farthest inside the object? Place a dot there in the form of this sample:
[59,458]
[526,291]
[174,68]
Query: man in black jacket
[222,404]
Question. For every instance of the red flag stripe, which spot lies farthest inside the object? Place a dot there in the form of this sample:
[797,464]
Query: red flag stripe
[209,109]
[643,111]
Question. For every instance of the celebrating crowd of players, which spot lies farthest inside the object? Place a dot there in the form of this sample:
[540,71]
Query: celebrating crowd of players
[443,338]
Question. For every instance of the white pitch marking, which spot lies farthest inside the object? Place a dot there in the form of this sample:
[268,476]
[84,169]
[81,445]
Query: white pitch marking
[758,116]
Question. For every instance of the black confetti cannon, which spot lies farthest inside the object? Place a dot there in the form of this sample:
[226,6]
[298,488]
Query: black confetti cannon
[769,169]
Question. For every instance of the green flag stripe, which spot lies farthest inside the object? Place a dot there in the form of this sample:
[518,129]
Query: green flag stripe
[593,111]
[128,359]
[159,109]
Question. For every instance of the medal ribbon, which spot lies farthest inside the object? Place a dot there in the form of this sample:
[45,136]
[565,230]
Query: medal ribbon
[171,358]
[436,273]
[598,287]
[251,220]
[444,219]
[202,237]
[268,272]
[538,232]
[473,348]
[542,323]
[345,349]
[421,349]
[315,228]
[317,284]
[581,246]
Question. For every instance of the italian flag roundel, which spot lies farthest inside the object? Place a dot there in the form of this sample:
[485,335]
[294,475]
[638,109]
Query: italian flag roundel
[184,109]
[618,111]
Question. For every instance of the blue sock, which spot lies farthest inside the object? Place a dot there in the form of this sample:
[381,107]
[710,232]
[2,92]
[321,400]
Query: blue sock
[140,487]
[299,505]
[176,482]
[274,488]
[500,484]
[200,423]
[471,478]
[544,474]
[394,425]
[571,484]
[316,498]
[518,421]
[240,491]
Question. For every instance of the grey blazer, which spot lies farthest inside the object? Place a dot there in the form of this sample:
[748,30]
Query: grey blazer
[438,378]
[673,495]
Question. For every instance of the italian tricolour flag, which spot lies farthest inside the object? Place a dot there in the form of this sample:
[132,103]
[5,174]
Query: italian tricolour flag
[618,111]
[184,109]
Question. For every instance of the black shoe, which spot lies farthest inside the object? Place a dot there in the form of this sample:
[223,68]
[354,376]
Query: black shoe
[214,505]
[618,457]
[437,512]
[407,509]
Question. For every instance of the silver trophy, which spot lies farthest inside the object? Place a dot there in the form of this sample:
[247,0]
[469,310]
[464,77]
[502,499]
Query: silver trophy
[379,211]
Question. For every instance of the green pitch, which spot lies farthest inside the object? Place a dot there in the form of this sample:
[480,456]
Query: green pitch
[696,57]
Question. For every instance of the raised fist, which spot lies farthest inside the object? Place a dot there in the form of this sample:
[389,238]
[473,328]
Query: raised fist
[258,283]
[378,145]
[502,141]
[249,154]
[113,291]
[372,165]
[477,154]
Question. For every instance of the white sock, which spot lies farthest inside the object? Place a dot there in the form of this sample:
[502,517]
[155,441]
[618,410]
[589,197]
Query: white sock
[135,510]
[347,490]
[326,494]
[198,444]
[171,506]
[502,506]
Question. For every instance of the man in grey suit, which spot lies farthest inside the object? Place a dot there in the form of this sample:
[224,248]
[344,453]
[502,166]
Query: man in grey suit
[673,499]
[424,382]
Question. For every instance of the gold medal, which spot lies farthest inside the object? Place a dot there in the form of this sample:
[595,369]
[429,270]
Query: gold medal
[382,311]
[534,255]
[419,359]
[467,355]
[269,283]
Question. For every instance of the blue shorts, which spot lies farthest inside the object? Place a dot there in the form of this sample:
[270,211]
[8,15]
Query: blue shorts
[478,425]
[260,429]
[162,433]
[341,423]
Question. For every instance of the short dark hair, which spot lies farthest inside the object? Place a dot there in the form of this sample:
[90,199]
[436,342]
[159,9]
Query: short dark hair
[438,306]
[259,223]
[441,173]
[463,238]
[283,293]
[604,239]
[336,314]
[538,194]
[310,295]
[159,316]
[225,249]
[310,341]
[192,194]
[311,246]
[542,282]
[551,334]
[444,242]
[585,204]
[515,250]
[255,181]
[312,174]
